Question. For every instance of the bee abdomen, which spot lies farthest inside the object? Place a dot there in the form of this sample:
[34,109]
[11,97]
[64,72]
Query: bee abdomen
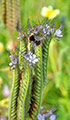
[37,42]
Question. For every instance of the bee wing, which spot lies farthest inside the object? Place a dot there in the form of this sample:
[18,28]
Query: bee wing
[38,38]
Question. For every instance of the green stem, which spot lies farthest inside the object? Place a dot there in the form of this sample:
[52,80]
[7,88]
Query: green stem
[21,52]
[28,97]
[22,93]
[14,94]
[20,55]
[45,59]
[37,87]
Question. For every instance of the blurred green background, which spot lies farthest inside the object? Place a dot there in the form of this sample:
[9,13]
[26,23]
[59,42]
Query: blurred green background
[57,91]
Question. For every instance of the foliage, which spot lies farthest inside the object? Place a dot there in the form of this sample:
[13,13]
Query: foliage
[57,89]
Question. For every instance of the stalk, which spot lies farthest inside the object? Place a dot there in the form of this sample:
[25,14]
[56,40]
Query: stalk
[14,95]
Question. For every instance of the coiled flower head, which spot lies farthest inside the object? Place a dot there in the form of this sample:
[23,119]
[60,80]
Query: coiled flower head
[31,58]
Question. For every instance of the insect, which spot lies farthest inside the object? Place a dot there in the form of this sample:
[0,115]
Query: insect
[35,39]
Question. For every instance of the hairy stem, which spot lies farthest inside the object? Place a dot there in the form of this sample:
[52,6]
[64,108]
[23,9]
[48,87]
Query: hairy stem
[28,97]
[22,93]
[14,95]
[45,60]
[37,87]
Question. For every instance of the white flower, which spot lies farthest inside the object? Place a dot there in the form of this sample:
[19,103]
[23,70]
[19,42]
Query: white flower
[10,64]
[35,31]
[27,58]
[31,58]
[58,33]
[35,60]
[11,57]
[29,53]
[40,117]
[14,66]
[20,35]
[44,30]
[53,117]
[52,30]
[34,56]
[18,38]
[47,26]
[13,62]
[48,32]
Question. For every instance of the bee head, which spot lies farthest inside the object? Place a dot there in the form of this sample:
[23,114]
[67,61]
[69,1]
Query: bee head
[31,37]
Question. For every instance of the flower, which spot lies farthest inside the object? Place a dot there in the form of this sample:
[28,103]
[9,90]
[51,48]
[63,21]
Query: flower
[21,35]
[40,117]
[58,32]
[13,60]
[49,12]
[1,46]
[53,117]
[31,58]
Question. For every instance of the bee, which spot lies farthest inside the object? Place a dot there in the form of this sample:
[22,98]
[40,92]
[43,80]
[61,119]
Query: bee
[35,39]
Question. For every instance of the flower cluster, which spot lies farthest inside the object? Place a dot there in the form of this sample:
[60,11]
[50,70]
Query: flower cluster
[51,31]
[13,61]
[48,29]
[20,35]
[35,36]
[58,32]
[48,114]
[39,33]
[31,58]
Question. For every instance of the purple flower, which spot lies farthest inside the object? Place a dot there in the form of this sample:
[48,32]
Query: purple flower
[40,117]
[53,117]
[58,33]
[31,58]
[13,61]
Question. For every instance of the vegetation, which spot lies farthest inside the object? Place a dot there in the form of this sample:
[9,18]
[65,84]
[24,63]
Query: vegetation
[57,90]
